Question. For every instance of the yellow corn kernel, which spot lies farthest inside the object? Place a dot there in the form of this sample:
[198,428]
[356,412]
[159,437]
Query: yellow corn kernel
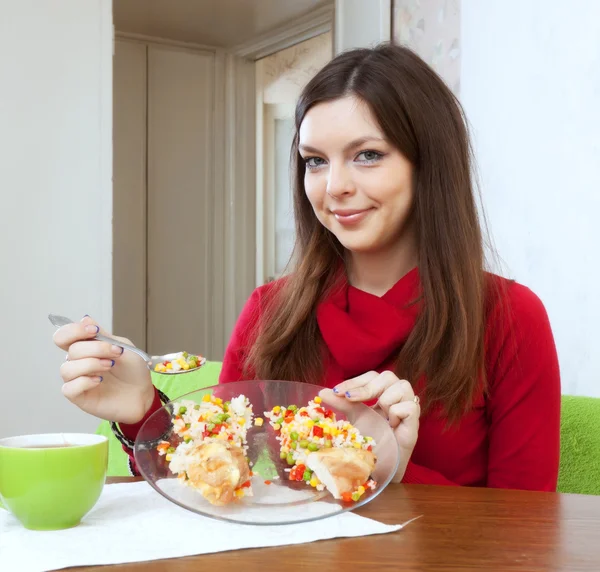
[310,423]
[258,421]
[169,457]
[357,446]
[169,365]
[218,401]
[318,399]
[361,490]
[206,398]
[276,409]
[242,421]
[326,431]
[239,493]
[314,482]
[185,366]
[277,426]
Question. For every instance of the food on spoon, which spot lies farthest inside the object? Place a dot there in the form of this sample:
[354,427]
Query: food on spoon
[210,455]
[181,361]
[324,452]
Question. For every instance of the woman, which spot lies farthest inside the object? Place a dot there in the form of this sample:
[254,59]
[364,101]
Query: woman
[388,300]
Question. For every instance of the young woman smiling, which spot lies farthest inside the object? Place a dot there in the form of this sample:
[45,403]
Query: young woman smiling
[388,300]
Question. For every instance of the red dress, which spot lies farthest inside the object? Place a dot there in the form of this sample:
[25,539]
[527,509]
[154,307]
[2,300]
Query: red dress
[511,437]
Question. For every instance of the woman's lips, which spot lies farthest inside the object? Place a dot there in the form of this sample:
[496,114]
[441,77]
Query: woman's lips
[349,217]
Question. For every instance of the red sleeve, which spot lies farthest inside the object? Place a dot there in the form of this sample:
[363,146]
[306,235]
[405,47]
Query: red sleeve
[524,397]
[419,475]
[130,431]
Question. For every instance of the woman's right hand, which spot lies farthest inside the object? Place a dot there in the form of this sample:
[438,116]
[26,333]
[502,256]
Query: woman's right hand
[100,378]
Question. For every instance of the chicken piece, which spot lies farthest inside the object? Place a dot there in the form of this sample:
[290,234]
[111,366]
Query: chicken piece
[217,469]
[342,470]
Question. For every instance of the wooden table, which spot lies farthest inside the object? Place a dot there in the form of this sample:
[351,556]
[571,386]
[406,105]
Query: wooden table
[461,529]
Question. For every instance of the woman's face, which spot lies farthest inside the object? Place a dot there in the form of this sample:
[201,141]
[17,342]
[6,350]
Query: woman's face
[358,184]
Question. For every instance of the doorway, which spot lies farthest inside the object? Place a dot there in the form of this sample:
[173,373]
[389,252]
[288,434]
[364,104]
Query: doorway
[190,204]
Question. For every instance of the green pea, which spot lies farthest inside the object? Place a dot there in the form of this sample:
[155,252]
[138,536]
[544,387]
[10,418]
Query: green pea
[210,426]
[185,354]
[171,450]
[294,436]
[188,425]
[182,410]
[197,407]
[313,447]
[303,444]
[283,455]
[223,417]
[355,496]
[293,408]
[328,443]
[293,445]
[307,475]
[290,459]
[280,421]
[226,405]
[187,438]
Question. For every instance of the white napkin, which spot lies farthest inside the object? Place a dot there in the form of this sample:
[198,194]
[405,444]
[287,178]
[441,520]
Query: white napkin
[133,523]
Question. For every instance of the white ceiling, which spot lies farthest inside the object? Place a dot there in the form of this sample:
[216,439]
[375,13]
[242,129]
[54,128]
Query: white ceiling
[222,23]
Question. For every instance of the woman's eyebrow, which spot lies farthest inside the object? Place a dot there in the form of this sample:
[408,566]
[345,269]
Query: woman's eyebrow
[352,145]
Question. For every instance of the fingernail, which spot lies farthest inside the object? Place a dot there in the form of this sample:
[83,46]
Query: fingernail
[347,394]
[112,362]
[117,350]
[86,316]
[335,390]
[99,378]
[92,329]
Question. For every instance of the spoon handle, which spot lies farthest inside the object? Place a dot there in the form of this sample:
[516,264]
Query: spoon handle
[60,321]
[125,346]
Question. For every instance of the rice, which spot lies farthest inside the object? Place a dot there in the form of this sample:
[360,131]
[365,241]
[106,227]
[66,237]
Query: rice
[304,430]
[199,423]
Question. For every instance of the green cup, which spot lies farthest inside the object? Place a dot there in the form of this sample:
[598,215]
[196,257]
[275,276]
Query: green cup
[51,481]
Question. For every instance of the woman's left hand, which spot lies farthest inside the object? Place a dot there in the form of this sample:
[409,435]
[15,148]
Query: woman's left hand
[397,402]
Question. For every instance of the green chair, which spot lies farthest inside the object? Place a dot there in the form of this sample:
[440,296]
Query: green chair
[172,385]
[580,445]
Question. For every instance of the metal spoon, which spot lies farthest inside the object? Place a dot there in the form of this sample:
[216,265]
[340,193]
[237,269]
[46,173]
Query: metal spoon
[151,361]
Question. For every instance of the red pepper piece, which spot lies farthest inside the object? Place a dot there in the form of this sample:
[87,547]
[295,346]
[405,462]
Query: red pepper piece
[267,482]
[246,485]
[347,497]
[317,431]
[303,414]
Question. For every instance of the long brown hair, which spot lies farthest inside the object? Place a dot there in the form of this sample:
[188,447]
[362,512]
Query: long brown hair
[421,117]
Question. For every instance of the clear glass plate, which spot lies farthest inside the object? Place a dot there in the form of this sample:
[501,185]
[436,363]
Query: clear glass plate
[282,501]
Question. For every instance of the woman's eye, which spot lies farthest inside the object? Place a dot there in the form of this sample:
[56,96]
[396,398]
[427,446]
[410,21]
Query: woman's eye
[369,156]
[314,162]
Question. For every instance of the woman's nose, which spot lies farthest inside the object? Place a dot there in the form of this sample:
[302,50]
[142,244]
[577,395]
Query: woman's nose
[339,182]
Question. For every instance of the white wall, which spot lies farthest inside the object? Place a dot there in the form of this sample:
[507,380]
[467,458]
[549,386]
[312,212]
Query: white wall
[56,191]
[530,82]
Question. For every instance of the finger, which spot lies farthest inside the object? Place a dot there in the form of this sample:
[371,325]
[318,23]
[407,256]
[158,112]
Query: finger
[354,383]
[374,388]
[400,391]
[404,412]
[93,349]
[71,333]
[71,370]
[75,388]
[333,400]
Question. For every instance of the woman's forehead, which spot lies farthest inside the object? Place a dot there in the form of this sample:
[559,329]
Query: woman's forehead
[339,120]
